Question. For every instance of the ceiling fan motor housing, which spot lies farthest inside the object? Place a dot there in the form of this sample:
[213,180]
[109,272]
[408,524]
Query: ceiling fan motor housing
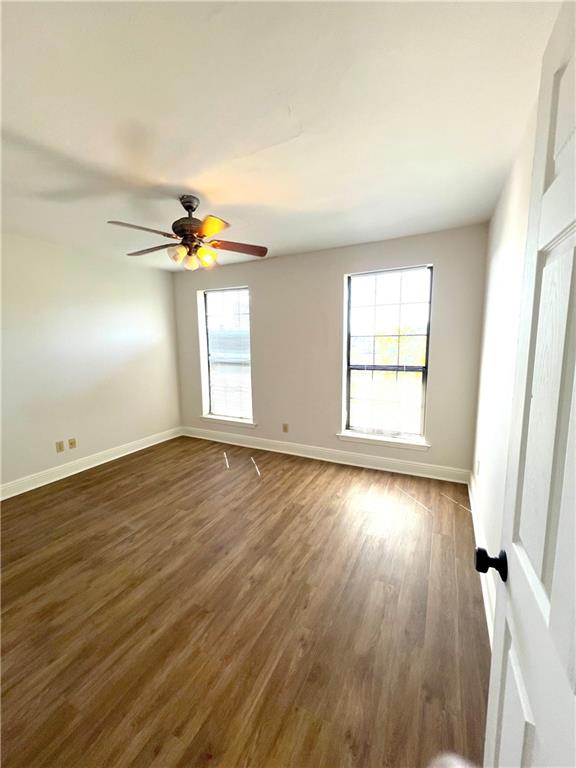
[186,227]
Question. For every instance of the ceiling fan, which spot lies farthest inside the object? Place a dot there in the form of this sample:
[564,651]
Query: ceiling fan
[194,250]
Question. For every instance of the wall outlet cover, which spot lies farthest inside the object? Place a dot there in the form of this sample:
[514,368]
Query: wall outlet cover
[284,427]
[59,446]
[72,442]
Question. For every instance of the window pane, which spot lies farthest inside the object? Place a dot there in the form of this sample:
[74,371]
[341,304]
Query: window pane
[360,415]
[231,344]
[362,350]
[373,385]
[230,390]
[388,287]
[387,320]
[228,332]
[385,416]
[386,350]
[243,299]
[395,405]
[214,302]
[384,385]
[362,321]
[415,285]
[362,290]
[414,318]
[227,303]
[361,384]
[412,350]
[410,395]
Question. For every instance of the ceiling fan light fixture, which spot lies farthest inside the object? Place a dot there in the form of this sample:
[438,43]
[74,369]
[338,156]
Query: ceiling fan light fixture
[206,256]
[178,253]
[191,262]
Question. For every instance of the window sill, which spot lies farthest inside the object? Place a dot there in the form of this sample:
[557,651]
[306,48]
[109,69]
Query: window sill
[412,443]
[229,420]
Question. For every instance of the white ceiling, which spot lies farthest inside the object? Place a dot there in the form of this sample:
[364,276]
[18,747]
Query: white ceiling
[305,125]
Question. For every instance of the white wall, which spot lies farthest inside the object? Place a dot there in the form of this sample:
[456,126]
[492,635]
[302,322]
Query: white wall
[89,351]
[296,326]
[504,273]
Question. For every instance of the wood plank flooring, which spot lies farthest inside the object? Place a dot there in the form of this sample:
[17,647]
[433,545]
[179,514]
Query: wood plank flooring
[164,610]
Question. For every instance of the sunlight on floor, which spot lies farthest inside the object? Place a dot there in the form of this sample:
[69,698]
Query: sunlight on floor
[383,513]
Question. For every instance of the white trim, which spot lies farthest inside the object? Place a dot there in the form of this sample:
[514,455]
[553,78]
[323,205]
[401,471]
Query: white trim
[414,443]
[419,469]
[28,483]
[452,474]
[487,581]
[229,420]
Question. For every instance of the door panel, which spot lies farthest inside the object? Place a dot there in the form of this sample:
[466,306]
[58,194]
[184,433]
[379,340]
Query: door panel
[518,738]
[563,592]
[541,672]
[563,131]
[558,199]
[538,515]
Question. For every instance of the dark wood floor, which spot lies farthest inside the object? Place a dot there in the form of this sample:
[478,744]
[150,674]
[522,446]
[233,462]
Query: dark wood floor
[164,610]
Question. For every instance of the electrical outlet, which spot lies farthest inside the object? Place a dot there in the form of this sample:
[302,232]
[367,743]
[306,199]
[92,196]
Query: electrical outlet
[478,467]
[60,446]
[72,442]
[284,427]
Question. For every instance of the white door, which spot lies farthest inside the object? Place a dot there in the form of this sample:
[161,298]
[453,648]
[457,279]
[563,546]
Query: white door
[531,707]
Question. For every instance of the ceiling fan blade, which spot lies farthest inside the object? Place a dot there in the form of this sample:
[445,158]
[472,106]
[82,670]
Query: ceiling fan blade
[211,225]
[229,245]
[150,250]
[145,229]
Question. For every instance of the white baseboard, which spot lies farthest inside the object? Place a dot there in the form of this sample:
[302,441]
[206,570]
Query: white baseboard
[452,474]
[488,582]
[420,469]
[46,476]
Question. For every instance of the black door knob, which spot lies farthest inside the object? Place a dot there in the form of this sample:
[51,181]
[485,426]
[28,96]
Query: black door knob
[483,561]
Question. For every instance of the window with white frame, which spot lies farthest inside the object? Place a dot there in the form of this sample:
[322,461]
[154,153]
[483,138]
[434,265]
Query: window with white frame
[227,349]
[387,351]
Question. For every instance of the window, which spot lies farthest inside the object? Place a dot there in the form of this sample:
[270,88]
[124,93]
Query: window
[387,351]
[227,323]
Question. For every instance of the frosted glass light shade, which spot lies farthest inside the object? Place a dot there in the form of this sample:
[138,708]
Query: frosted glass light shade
[207,257]
[191,263]
[177,253]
